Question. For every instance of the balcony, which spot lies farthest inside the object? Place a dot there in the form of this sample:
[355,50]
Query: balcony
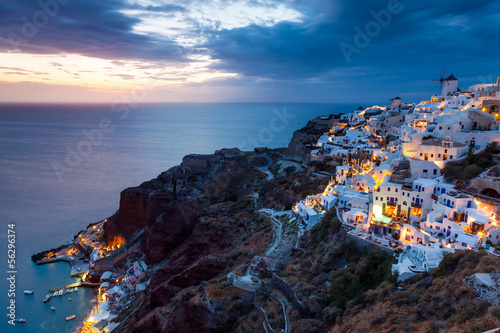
[434,197]
[391,204]
[416,205]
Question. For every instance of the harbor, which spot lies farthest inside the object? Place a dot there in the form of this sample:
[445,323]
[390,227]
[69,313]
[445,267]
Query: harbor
[94,264]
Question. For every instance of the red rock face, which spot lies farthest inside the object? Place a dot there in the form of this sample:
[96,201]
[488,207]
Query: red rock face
[191,315]
[138,209]
[202,270]
[175,226]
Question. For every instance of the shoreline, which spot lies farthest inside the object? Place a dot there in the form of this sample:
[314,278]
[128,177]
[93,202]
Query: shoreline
[129,279]
[89,249]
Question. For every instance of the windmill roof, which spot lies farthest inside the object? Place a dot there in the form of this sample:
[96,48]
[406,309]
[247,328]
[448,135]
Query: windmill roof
[451,78]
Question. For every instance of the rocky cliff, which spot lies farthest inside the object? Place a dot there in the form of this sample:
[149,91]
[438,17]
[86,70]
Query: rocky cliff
[197,222]
[299,147]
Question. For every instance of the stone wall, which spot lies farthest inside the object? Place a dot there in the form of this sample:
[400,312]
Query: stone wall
[195,164]
[288,291]
[365,243]
[104,264]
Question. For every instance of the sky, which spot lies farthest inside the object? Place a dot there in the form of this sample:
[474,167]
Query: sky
[326,51]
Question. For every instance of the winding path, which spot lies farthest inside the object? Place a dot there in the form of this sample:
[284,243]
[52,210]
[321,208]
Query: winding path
[285,305]
[265,168]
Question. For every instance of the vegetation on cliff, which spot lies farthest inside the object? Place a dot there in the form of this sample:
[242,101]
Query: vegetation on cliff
[439,302]
[471,166]
[201,221]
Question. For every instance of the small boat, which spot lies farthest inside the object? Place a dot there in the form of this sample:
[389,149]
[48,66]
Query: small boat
[20,320]
[70,299]
[70,290]
[53,308]
[55,294]
[65,292]
[70,317]
[76,289]
[47,298]
[28,292]
[60,292]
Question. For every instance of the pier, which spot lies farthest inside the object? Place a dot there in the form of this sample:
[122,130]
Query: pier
[77,267]
[76,284]
[51,260]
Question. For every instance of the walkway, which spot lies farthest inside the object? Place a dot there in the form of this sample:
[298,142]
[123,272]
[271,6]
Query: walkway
[265,168]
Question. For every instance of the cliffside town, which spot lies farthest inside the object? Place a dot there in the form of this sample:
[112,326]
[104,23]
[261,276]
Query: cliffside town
[384,219]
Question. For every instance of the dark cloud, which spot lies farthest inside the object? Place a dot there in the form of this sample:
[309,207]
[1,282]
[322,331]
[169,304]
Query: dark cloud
[93,28]
[421,37]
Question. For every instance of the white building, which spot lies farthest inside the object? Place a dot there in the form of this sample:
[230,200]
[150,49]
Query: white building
[450,86]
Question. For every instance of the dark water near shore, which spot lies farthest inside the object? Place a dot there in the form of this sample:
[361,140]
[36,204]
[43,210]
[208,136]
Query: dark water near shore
[63,167]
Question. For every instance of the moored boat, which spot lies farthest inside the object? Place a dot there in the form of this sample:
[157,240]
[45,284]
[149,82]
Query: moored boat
[70,290]
[20,320]
[28,292]
[55,294]
[53,308]
[46,298]
[70,299]
[60,292]
[76,289]
[70,317]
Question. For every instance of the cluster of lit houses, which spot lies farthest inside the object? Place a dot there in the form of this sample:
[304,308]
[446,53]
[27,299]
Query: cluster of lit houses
[389,188]
[116,286]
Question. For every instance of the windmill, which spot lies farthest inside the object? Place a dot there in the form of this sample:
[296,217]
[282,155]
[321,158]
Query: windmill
[442,74]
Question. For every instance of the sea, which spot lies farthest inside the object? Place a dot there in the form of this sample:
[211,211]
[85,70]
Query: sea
[64,166]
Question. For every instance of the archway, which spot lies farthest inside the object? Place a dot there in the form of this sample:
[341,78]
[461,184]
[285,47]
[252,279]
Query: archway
[491,193]
[495,110]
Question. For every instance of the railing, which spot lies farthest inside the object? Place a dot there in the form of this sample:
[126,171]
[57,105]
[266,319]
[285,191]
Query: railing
[416,205]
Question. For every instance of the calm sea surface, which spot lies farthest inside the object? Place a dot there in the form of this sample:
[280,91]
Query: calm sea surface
[63,167]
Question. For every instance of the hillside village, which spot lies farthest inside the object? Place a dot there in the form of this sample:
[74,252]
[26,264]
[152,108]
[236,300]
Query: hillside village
[225,243]
[394,188]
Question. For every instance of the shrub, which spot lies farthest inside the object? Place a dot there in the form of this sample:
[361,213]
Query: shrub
[433,327]
[477,328]
[495,311]
[290,170]
[468,311]
[471,171]
[407,328]
[370,271]
[447,265]
[328,224]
